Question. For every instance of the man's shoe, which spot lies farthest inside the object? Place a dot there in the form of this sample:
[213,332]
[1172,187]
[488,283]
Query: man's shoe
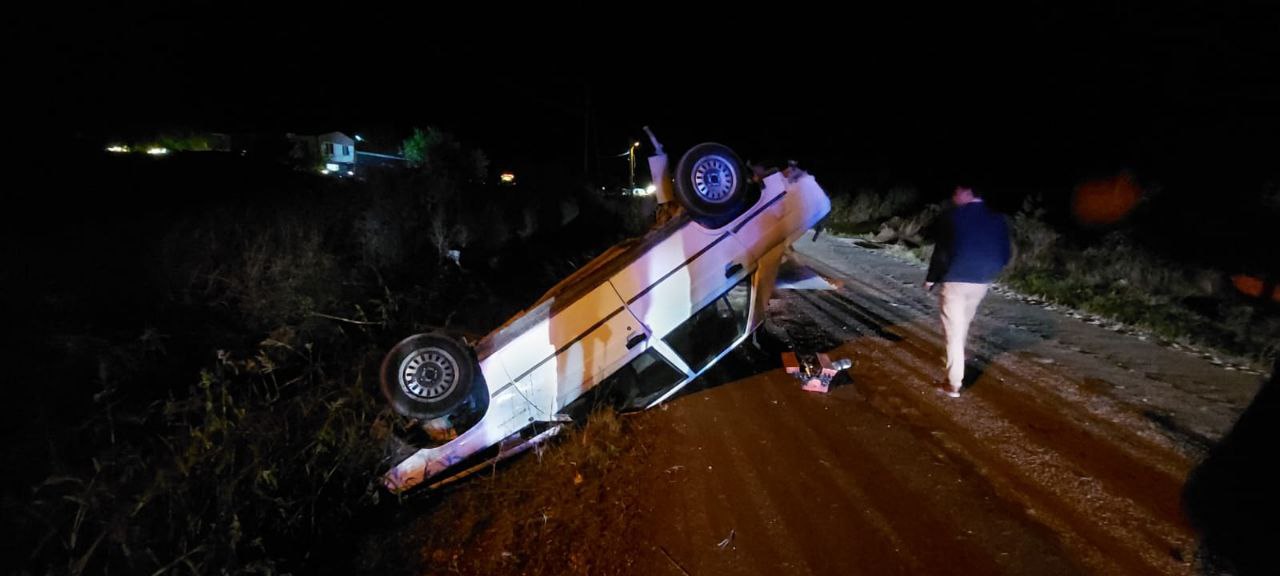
[946,388]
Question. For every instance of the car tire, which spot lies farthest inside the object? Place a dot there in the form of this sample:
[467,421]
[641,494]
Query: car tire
[428,376]
[711,183]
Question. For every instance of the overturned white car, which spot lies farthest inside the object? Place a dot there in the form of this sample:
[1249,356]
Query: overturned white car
[632,327]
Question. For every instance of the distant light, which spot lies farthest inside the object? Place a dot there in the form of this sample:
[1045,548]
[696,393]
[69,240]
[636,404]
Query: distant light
[332,167]
[351,173]
[635,145]
[650,189]
[1107,200]
[324,170]
[638,192]
[507,177]
[157,151]
[359,138]
[117,149]
[1254,287]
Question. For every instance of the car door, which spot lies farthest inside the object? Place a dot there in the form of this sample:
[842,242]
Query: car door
[567,351]
[680,274]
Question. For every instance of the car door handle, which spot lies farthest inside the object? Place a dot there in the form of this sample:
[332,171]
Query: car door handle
[636,339]
[732,269]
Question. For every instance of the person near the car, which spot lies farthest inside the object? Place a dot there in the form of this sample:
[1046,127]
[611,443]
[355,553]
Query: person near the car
[972,248]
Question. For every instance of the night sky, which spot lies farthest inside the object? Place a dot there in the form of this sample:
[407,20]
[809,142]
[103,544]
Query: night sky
[1183,91]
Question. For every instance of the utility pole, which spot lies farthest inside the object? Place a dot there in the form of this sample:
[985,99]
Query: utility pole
[631,154]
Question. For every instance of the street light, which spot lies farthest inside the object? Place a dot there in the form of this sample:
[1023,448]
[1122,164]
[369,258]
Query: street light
[631,160]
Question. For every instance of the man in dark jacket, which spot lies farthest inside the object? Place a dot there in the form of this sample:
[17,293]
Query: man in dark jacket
[972,248]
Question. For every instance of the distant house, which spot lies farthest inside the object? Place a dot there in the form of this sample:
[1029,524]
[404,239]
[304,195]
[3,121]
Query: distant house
[332,152]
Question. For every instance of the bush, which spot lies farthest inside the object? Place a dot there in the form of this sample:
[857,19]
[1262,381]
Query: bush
[1116,277]
[862,209]
[1034,242]
[260,468]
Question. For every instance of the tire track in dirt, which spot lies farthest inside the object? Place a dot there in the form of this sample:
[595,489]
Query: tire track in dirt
[854,500]
[888,483]
[735,443]
[1080,512]
[993,465]
[1109,487]
[719,452]
[1015,373]
[813,487]
[1051,417]
[1163,403]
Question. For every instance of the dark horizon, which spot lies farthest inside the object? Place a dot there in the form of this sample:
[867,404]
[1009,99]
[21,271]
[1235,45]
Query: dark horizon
[1188,95]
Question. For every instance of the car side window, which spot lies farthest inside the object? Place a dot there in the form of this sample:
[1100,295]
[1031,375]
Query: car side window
[641,381]
[714,328]
[632,387]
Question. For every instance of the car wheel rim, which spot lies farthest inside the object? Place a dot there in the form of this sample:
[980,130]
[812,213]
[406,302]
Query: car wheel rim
[713,178]
[428,374]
